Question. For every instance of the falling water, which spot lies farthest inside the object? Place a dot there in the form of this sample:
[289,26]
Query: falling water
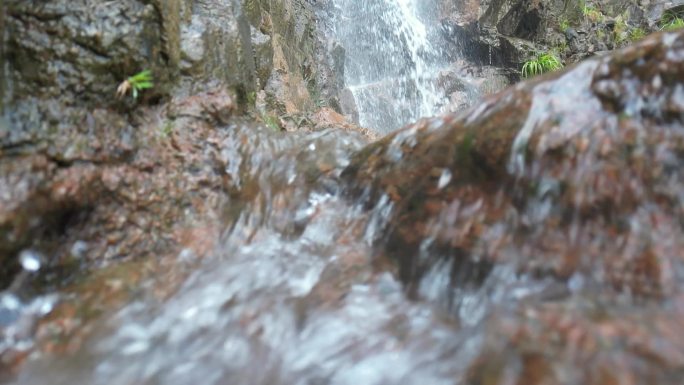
[391,63]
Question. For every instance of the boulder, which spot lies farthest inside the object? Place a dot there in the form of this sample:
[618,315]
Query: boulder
[578,173]
[548,221]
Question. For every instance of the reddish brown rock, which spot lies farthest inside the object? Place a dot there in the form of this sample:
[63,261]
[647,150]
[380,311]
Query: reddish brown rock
[572,182]
[579,172]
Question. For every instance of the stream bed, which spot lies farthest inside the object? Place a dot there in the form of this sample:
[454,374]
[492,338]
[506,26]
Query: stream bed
[535,238]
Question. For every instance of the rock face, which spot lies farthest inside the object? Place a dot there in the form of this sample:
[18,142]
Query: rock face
[81,51]
[70,151]
[505,34]
[571,182]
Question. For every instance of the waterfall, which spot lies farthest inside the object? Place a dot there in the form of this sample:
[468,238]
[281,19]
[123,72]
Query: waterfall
[391,63]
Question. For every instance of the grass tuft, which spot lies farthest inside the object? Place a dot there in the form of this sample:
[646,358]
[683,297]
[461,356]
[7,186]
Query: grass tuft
[593,14]
[542,63]
[671,22]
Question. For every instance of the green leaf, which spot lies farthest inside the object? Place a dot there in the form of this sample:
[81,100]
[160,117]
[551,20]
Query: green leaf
[144,75]
[144,85]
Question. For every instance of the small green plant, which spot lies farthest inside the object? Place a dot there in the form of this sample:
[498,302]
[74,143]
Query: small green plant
[167,129]
[542,63]
[251,98]
[564,25]
[636,34]
[135,84]
[592,14]
[271,122]
[620,29]
[671,22]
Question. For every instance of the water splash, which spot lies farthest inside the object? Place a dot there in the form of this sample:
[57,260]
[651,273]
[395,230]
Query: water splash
[19,317]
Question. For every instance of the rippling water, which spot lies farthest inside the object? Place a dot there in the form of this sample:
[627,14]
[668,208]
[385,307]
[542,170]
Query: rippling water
[291,296]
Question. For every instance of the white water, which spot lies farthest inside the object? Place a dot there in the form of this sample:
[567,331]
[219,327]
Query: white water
[290,296]
[391,63]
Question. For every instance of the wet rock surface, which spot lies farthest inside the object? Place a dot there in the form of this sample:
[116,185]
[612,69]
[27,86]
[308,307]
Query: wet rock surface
[122,208]
[506,34]
[551,212]
[72,153]
[535,238]
[536,244]
[106,189]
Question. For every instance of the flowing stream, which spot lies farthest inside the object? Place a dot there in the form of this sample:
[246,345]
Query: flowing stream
[299,290]
[290,297]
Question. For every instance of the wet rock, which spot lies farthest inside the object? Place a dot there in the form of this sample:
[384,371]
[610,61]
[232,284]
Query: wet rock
[79,51]
[216,48]
[3,55]
[506,34]
[102,211]
[87,213]
[607,345]
[293,66]
[61,121]
[67,59]
[38,200]
[549,218]
[263,55]
[527,180]
[526,20]
[327,118]
[487,47]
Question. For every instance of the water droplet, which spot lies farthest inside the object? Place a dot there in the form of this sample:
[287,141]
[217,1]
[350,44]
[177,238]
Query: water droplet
[576,283]
[444,179]
[9,301]
[78,249]
[30,260]
[135,348]
[187,256]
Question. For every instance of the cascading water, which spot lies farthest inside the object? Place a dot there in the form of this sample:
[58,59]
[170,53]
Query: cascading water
[290,296]
[506,266]
[391,64]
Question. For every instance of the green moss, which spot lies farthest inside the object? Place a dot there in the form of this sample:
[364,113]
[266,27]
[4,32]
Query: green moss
[636,34]
[620,29]
[251,98]
[564,24]
[592,14]
[271,122]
